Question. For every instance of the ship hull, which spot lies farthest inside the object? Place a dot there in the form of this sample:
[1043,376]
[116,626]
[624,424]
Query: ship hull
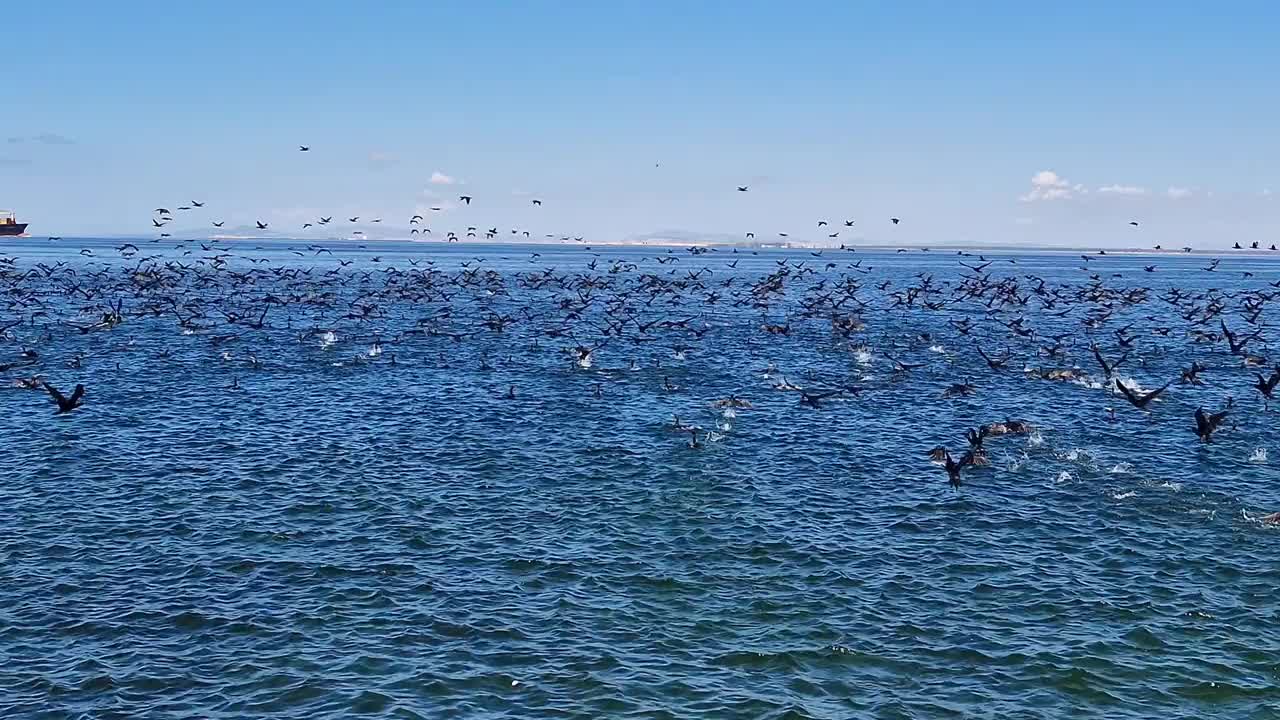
[11,230]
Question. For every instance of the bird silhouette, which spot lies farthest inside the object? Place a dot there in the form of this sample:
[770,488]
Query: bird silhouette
[1141,401]
[65,404]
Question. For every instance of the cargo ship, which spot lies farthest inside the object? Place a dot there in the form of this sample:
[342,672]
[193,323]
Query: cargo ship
[9,224]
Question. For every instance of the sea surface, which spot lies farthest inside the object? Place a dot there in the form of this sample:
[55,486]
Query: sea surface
[376,505]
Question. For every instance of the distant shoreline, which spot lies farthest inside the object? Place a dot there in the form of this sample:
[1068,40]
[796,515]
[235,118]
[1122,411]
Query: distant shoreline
[939,249]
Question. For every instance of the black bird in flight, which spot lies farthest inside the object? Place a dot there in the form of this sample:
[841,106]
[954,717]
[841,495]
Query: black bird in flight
[219,223]
[1267,385]
[1107,368]
[742,188]
[1141,401]
[65,404]
[1191,375]
[953,467]
[1133,223]
[465,198]
[1206,423]
[537,202]
[304,148]
[261,225]
[896,220]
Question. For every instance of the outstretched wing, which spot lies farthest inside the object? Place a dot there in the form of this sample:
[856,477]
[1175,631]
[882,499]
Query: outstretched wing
[75,396]
[1105,367]
[55,394]
[1156,393]
[1127,392]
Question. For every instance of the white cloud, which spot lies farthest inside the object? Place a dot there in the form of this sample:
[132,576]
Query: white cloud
[439,178]
[1048,185]
[1122,190]
[1177,193]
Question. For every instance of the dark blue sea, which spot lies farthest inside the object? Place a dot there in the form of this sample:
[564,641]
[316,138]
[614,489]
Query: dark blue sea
[404,492]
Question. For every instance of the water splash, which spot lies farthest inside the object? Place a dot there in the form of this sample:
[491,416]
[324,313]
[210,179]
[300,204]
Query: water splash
[1018,463]
[1258,456]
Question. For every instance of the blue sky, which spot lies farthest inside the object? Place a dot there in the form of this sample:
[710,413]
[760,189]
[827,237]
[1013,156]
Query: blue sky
[933,112]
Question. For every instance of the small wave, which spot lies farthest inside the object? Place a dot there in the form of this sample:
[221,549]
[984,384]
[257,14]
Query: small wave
[1064,477]
[1124,495]
[1258,456]
[1122,468]
[937,349]
[1035,439]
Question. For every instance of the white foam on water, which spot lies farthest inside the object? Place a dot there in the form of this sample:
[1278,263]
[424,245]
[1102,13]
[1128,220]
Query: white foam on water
[936,348]
[1258,456]
[1075,455]
[1176,487]
[1035,439]
[1064,477]
[1122,468]
[1089,382]
[327,339]
[1018,463]
[375,350]
[1257,519]
[863,357]
[1124,495]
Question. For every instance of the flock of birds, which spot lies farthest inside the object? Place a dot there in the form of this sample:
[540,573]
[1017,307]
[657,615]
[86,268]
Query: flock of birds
[677,301]
[163,217]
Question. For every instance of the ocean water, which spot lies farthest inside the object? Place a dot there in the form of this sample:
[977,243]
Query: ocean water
[378,505]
